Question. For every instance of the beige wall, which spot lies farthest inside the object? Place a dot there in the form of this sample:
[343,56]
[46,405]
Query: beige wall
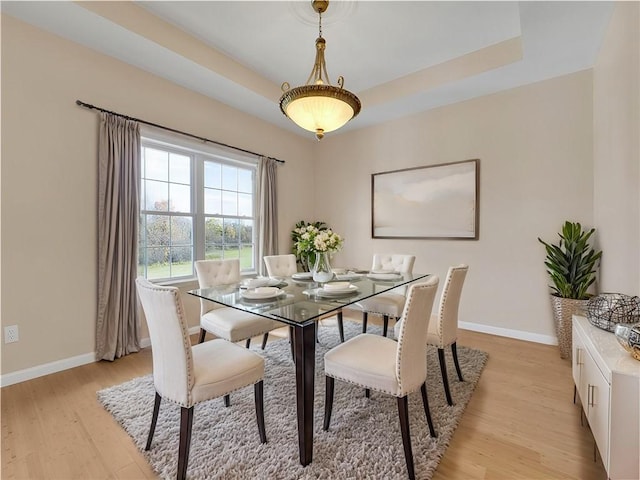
[535,149]
[49,180]
[616,109]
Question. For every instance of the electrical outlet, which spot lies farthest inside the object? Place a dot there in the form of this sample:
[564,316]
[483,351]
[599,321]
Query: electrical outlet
[11,334]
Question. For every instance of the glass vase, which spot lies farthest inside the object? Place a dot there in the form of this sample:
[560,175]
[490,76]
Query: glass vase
[308,261]
[322,268]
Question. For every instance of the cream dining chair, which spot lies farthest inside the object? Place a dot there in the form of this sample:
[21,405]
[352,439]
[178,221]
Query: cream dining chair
[225,322]
[443,327]
[388,304]
[228,323]
[279,266]
[187,375]
[384,365]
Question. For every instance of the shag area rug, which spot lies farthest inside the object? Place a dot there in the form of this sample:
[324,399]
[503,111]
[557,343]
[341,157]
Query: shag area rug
[363,441]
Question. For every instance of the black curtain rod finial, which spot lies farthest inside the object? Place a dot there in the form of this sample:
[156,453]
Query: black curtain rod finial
[203,139]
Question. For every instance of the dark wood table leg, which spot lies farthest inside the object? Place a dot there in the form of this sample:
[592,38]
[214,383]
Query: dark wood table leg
[304,339]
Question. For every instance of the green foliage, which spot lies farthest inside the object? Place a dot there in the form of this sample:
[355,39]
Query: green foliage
[177,269]
[572,263]
[168,239]
[167,246]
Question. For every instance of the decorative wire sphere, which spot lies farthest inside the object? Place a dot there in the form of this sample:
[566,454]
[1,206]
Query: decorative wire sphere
[607,310]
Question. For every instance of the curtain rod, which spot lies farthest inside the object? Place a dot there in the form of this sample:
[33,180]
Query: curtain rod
[93,107]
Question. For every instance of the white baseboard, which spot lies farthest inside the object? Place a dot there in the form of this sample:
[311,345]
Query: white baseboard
[64,364]
[46,369]
[507,332]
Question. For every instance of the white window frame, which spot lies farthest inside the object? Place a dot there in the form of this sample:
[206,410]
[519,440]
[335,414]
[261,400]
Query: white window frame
[199,152]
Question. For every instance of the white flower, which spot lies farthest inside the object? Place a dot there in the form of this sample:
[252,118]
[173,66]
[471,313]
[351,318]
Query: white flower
[309,239]
[327,241]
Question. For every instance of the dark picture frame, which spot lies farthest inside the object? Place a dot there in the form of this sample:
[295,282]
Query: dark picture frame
[430,202]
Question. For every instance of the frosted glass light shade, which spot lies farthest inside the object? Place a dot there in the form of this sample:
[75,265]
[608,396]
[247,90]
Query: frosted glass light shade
[319,108]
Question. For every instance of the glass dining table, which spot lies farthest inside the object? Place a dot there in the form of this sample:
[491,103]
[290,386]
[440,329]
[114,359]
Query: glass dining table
[299,302]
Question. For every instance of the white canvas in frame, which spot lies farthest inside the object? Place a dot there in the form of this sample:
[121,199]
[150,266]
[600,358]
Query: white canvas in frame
[436,201]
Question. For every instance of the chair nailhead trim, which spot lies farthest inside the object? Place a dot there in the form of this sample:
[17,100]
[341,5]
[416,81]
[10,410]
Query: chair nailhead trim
[443,304]
[231,391]
[185,340]
[372,388]
[363,385]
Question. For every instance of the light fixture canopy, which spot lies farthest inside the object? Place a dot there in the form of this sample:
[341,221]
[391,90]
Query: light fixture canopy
[319,106]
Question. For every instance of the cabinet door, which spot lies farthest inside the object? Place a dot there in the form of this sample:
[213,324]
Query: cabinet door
[577,366]
[597,406]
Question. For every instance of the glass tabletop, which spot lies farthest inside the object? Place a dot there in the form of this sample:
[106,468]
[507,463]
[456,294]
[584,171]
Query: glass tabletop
[300,301]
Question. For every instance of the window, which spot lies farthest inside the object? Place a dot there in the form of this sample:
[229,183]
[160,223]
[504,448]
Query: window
[195,203]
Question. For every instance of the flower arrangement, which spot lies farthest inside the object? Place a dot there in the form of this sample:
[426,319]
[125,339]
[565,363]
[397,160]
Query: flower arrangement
[327,241]
[312,238]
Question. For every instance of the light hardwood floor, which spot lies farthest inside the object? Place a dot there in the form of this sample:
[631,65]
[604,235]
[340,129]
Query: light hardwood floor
[521,422]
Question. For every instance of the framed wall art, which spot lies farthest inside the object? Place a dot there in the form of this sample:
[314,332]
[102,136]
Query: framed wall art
[434,201]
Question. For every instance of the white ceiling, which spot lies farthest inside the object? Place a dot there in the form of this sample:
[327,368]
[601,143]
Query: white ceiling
[398,57]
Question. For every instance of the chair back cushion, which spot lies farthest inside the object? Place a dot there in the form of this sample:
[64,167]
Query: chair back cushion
[393,261]
[170,344]
[447,317]
[281,265]
[411,356]
[212,273]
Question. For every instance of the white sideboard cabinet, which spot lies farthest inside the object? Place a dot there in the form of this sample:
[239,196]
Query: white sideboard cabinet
[607,379]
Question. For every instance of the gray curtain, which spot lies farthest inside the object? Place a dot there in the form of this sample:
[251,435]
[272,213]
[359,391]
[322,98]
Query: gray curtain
[267,210]
[118,211]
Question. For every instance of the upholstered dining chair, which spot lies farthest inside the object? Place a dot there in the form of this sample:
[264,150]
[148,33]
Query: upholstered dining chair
[384,365]
[286,266]
[388,304]
[443,327]
[225,322]
[188,375]
[280,265]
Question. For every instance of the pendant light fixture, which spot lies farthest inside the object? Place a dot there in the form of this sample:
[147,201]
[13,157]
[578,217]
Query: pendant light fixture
[319,106]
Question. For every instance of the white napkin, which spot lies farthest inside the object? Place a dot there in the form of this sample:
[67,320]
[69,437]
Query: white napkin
[336,286]
[256,282]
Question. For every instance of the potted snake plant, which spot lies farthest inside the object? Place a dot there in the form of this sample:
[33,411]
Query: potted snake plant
[571,264]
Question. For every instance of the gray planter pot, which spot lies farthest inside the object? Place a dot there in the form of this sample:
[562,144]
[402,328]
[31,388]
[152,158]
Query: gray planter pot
[563,310]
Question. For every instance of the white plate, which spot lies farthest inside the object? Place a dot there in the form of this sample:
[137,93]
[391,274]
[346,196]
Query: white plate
[302,276]
[384,276]
[261,294]
[321,292]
